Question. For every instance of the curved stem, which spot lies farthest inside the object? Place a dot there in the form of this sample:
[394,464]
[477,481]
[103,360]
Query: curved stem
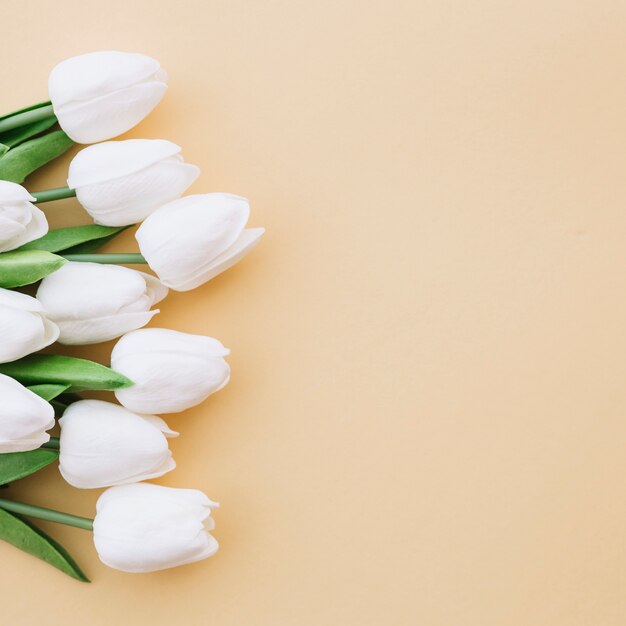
[39,512]
[130,257]
[54,194]
[27,117]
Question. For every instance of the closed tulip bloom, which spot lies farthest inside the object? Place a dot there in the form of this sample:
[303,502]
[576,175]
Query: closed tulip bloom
[100,95]
[145,528]
[20,221]
[191,240]
[122,182]
[24,417]
[91,302]
[24,326]
[104,444]
[172,371]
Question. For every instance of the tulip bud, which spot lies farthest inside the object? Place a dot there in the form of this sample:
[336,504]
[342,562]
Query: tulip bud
[100,95]
[191,240]
[24,417]
[93,303]
[172,371]
[122,182]
[145,528]
[24,327]
[20,221]
[104,444]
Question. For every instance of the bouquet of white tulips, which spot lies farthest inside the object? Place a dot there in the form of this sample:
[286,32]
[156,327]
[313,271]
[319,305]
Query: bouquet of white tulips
[85,297]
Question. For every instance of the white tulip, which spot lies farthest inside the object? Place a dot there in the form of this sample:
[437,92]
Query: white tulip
[91,302]
[122,182]
[144,528]
[20,221]
[100,95]
[24,326]
[172,371]
[191,240]
[104,444]
[24,417]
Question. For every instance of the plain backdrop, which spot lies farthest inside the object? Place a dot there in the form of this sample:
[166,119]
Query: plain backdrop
[426,420]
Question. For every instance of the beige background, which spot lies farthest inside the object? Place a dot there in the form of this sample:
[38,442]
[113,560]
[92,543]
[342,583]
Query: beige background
[426,422]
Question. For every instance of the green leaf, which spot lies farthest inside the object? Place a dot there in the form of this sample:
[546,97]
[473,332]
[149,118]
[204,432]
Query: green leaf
[19,268]
[64,239]
[16,465]
[79,374]
[48,392]
[3,149]
[14,137]
[19,162]
[32,107]
[26,536]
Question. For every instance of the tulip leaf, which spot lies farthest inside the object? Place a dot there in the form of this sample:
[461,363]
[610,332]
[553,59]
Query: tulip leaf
[19,268]
[67,239]
[32,107]
[78,374]
[16,465]
[3,149]
[48,392]
[24,535]
[29,156]
[12,138]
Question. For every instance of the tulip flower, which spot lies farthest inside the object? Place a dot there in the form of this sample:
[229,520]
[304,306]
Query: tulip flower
[144,528]
[24,417]
[104,444]
[24,326]
[191,240]
[93,303]
[20,221]
[172,371]
[100,95]
[122,182]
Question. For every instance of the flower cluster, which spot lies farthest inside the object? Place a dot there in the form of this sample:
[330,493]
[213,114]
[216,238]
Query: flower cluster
[84,297]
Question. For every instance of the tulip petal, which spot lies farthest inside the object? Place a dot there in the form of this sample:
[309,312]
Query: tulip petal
[248,240]
[103,444]
[111,160]
[181,237]
[99,329]
[12,193]
[110,115]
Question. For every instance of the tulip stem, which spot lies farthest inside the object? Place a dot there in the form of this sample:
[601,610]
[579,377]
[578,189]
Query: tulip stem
[53,194]
[53,444]
[27,117]
[126,258]
[39,512]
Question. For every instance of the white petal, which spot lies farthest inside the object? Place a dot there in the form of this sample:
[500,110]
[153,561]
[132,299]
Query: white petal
[248,240]
[110,160]
[112,114]
[99,329]
[181,237]
[104,444]
[11,193]
[91,75]
[23,332]
[143,528]
[132,199]
[172,371]
[36,227]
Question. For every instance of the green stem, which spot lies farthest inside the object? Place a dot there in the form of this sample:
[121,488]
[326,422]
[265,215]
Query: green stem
[54,194]
[28,117]
[126,258]
[53,444]
[48,514]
